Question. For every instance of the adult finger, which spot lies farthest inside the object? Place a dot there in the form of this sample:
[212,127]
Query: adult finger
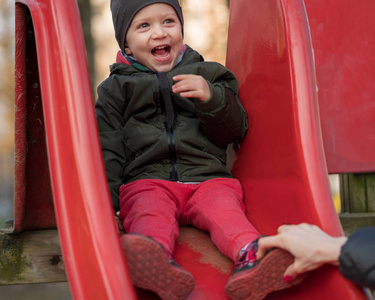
[265,243]
[285,228]
[291,272]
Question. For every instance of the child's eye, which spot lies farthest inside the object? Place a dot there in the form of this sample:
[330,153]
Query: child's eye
[143,25]
[168,21]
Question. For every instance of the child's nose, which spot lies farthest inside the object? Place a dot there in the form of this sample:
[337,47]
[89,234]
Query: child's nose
[158,32]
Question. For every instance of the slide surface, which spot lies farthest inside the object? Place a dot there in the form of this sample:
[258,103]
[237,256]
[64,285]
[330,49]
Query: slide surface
[281,162]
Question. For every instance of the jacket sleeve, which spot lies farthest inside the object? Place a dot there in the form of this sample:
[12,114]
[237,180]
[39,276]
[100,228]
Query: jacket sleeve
[357,258]
[109,114]
[223,118]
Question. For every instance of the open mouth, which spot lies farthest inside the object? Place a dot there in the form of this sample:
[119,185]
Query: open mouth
[161,51]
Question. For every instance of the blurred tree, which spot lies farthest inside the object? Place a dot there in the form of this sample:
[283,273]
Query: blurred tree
[7,78]
[86,12]
[206,27]
[6,108]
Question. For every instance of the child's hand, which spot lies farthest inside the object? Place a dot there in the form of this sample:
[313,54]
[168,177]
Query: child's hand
[191,86]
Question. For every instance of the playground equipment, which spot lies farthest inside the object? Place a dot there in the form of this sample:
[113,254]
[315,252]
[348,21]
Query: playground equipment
[59,175]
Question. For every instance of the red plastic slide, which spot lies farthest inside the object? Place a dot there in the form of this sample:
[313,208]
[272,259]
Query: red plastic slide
[90,244]
[280,163]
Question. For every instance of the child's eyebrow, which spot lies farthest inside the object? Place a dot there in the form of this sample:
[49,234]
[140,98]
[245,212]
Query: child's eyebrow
[170,14]
[147,19]
[140,20]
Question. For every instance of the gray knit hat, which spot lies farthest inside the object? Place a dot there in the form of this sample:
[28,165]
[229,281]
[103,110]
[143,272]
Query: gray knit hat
[123,12]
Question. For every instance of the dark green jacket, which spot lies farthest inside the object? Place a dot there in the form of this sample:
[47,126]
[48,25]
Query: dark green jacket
[356,258]
[137,140]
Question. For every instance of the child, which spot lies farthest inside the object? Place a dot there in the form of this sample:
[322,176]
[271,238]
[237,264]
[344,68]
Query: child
[165,118]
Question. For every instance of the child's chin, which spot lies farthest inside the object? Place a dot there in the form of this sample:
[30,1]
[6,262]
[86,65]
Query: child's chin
[165,68]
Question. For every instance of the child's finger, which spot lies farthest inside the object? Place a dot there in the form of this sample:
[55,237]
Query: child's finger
[190,94]
[182,86]
[182,77]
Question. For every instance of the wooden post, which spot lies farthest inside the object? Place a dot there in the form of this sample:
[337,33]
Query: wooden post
[357,193]
[31,257]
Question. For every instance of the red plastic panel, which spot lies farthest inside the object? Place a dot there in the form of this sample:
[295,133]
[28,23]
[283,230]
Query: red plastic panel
[343,37]
[92,253]
[20,120]
[33,202]
[281,161]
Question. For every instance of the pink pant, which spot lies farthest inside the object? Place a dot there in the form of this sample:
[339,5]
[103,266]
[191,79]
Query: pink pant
[156,208]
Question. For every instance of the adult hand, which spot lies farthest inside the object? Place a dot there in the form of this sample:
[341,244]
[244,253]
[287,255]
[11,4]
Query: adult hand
[310,246]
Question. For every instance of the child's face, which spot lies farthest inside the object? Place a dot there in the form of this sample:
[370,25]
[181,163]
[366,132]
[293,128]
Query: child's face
[154,37]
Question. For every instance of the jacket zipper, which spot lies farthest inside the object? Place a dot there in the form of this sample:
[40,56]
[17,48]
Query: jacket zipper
[173,176]
[168,114]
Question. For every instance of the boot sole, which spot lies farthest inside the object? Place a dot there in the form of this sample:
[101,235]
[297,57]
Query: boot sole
[263,279]
[150,269]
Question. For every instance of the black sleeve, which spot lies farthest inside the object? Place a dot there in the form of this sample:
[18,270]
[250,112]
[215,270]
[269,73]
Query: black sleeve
[223,118]
[109,114]
[357,258]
